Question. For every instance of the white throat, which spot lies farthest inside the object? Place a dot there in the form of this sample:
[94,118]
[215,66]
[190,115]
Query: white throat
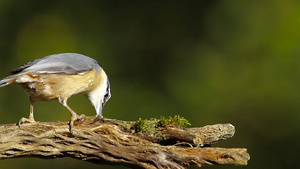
[97,96]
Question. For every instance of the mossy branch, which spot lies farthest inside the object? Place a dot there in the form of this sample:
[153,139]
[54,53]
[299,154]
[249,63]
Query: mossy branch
[154,143]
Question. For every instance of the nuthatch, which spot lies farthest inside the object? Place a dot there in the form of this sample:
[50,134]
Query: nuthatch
[61,76]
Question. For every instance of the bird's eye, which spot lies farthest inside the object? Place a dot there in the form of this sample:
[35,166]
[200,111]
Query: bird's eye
[106,95]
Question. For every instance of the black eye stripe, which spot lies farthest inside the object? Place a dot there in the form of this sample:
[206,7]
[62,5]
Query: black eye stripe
[107,94]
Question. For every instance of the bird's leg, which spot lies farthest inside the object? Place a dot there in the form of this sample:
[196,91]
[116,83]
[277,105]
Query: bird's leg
[30,119]
[74,116]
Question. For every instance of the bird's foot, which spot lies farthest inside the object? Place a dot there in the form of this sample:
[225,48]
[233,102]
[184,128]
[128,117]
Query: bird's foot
[75,117]
[99,118]
[81,117]
[23,120]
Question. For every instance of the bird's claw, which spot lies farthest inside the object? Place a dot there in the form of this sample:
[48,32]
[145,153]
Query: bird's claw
[99,117]
[23,120]
[82,117]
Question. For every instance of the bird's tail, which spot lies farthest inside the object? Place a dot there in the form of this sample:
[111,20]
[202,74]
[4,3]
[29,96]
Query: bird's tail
[7,81]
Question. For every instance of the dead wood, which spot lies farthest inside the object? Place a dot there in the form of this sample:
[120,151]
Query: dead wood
[146,145]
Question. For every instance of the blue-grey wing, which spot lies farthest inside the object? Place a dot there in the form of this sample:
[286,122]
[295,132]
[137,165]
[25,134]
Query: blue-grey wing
[65,63]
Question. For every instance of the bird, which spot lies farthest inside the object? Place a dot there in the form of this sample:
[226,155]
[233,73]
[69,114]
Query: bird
[60,76]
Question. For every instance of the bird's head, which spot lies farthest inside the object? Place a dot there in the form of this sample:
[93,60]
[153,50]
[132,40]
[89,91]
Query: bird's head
[100,96]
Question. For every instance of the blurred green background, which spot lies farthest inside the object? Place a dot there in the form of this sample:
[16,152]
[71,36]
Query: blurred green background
[214,61]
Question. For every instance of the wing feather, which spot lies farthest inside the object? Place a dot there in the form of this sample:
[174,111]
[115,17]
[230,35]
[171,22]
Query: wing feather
[65,63]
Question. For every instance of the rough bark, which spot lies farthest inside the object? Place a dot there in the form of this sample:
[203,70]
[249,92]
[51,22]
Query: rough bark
[120,143]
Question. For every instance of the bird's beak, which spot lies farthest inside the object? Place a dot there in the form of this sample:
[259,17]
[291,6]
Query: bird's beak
[99,109]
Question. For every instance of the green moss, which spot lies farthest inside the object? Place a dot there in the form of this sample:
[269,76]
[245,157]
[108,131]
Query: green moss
[154,127]
[139,126]
[176,121]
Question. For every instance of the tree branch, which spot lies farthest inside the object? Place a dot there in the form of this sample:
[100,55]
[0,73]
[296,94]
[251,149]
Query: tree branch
[141,144]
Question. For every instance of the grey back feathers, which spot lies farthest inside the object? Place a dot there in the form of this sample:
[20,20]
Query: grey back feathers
[64,63]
